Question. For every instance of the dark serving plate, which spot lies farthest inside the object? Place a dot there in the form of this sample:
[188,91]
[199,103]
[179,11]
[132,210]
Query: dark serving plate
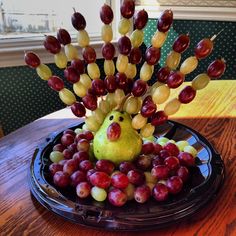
[205,181]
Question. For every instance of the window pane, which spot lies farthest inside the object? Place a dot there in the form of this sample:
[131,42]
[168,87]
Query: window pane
[24,17]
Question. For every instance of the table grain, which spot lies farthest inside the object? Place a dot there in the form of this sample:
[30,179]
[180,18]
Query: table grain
[212,113]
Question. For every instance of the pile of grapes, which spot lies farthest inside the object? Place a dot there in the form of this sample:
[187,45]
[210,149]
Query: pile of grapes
[160,168]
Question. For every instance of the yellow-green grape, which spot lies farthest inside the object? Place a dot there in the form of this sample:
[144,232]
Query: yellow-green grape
[139,121]
[56,156]
[171,141]
[150,178]
[131,71]
[91,123]
[119,95]
[189,65]
[131,105]
[93,70]
[99,194]
[79,89]
[109,67]
[136,38]
[140,103]
[156,85]
[162,143]
[146,71]
[173,60]
[122,63]
[147,130]
[200,81]
[83,38]
[182,144]
[67,96]
[85,80]
[71,51]
[107,33]
[60,60]
[44,71]
[124,26]
[191,150]
[158,39]
[110,98]
[99,116]
[78,130]
[129,191]
[162,140]
[104,106]
[172,107]
[149,139]
[84,127]
[161,94]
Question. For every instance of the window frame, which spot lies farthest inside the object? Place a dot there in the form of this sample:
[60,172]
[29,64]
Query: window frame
[12,50]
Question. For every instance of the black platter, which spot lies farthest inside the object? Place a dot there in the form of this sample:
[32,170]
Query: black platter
[205,181]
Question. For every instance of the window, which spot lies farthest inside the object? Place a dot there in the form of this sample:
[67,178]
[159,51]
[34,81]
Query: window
[23,25]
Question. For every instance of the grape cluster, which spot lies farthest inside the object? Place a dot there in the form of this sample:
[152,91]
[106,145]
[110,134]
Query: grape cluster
[161,169]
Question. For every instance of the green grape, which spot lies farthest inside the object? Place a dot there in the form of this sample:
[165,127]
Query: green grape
[109,67]
[146,71]
[129,191]
[136,38]
[155,85]
[78,130]
[107,33]
[104,106]
[56,156]
[171,141]
[44,71]
[60,60]
[161,94]
[162,143]
[162,140]
[122,63]
[86,81]
[200,81]
[124,26]
[93,71]
[84,127]
[71,52]
[110,98]
[191,150]
[131,105]
[158,39]
[140,103]
[67,96]
[172,107]
[79,89]
[131,71]
[173,60]
[182,144]
[99,194]
[139,121]
[189,65]
[91,123]
[150,178]
[147,130]
[149,139]
[99,116]
[119,95]
[83,38]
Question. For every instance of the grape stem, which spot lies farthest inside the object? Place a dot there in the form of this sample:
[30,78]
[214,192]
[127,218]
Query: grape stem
[216,35]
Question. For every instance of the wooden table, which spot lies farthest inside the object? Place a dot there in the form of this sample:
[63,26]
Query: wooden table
[212,113]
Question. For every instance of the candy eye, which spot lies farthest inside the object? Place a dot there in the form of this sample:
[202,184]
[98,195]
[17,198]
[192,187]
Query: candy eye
[111,117]
[121,118]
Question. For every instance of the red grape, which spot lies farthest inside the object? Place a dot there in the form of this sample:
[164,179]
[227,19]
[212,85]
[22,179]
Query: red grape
[110,82]
[186,159]
[143,162]
[78,109]
[165,21]
[126,166]
[160,192]
[70,167]
[52,44]
[121,80]
[67,139]
[119,180]
[164,154]
[71,74]
[68,153]
[83,145]
[108,51]
[100,179]
[69,131]
[106,14]
[90,102]
[55,83]
[147,148]
[142,194]
[88,135]
[160,172]
[148,109]
[187,95]
[78,21]
[203,48]
[99,87]
[85,165]
[162,74]
[127,8]
[113,131]
[174,184]
[78,65]
[139,88]
[73,147]
[59,147]
[172,149]
[61,179]
[172,162]
[124,45]
[90,172]
[117,198]
[159,118]
[31,59]
[63,36]
[136,177]
[77,177]
[175,79]
[54,167]
[80,156]
[129,86]
[181,43]
[183,173]
[152,55]
[83,189]
[157,161]
[89,54]
[140,19]
[105,166]
[135,55]
[216,68]
[157,148]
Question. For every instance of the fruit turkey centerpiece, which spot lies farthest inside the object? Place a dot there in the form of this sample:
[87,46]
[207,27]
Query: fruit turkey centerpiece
[115,153]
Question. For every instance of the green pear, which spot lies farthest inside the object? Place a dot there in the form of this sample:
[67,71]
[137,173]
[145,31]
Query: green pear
[116,140]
